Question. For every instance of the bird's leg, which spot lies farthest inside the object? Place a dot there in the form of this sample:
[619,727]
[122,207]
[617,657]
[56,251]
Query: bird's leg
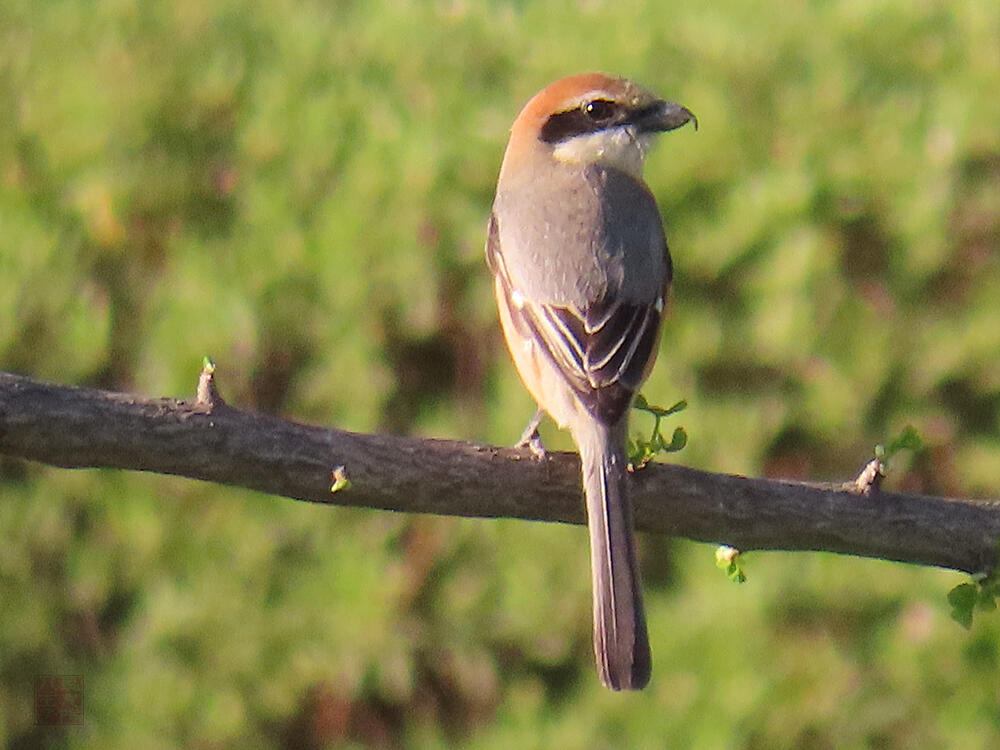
[530,437]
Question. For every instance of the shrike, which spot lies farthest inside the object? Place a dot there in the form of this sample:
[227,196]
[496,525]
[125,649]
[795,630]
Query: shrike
[581,269]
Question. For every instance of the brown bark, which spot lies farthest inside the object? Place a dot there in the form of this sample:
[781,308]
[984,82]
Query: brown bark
[209,440]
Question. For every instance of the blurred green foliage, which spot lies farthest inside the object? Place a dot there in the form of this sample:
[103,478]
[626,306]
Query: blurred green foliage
[300,190]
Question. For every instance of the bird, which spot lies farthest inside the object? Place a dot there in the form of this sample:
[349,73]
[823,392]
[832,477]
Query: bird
[581,273]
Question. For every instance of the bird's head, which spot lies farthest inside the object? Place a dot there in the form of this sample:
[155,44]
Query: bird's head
[593,118]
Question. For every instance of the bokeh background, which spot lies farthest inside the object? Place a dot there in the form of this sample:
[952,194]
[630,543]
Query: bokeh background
[300,190]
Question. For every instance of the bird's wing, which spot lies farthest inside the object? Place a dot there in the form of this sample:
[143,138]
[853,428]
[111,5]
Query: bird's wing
[602,352]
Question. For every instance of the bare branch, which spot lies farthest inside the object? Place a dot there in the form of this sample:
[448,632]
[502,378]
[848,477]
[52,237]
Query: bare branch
[208,440]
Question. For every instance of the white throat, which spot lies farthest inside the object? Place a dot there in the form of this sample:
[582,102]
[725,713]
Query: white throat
[618,147]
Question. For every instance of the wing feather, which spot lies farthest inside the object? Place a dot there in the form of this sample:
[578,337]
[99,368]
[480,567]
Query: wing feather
[601,352]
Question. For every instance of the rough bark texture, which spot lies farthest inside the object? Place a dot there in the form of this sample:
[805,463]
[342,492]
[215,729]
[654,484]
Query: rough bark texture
[208,440]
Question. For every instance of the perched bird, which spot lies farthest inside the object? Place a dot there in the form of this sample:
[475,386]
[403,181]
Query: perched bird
[581,271]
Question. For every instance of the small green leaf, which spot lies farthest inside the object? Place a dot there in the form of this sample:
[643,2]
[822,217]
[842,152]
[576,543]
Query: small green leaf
[907,440]
[730,560]
[963,599]
[642,404]
[980,593]
[639,453]
[677,441]
[641,450]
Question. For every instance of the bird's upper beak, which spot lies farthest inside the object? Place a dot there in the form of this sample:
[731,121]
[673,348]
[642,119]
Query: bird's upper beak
[661,116]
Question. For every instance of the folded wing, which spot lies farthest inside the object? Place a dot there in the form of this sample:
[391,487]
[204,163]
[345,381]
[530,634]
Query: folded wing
[602,352]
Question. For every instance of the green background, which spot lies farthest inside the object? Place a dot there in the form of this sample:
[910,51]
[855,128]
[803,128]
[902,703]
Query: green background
[300,190]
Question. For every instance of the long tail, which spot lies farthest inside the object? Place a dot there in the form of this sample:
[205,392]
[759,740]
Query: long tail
[621,645]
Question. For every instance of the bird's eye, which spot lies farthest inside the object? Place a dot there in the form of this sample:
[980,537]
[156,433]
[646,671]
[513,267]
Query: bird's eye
[599,110]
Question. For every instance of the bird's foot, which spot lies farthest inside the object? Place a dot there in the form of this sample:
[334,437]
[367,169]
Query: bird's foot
[531,439]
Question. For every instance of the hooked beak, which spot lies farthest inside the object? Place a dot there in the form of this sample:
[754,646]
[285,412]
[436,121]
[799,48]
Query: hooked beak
[661,116]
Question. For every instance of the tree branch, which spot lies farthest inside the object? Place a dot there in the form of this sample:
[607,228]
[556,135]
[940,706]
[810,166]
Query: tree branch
[209,440]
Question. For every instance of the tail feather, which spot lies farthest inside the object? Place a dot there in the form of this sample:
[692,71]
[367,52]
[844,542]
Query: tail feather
[621,645]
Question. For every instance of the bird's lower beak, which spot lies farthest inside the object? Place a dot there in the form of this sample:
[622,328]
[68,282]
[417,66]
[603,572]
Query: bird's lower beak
[663,116]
